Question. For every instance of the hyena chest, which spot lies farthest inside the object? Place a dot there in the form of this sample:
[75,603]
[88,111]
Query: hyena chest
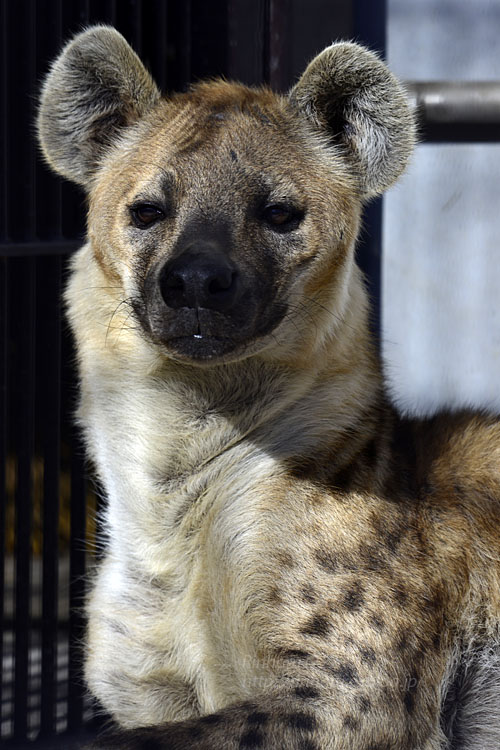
[162,608]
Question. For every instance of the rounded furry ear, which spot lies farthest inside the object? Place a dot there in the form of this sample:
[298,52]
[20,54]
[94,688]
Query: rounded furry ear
[350,95]
[95,87]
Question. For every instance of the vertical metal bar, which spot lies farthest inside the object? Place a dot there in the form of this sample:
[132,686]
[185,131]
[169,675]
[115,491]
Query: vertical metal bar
[246,40]
[47,188]
[266,49]
[178,45]
[4,131]
[77,585]
[279,51]
[370,21]
[50,413]
[4,300]
[25,406]
[154,40]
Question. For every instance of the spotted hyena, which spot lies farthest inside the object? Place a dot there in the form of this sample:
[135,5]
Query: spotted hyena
[289,563]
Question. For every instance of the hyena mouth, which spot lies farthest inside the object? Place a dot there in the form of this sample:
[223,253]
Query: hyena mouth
[201,335]
[202,348]
[201,307]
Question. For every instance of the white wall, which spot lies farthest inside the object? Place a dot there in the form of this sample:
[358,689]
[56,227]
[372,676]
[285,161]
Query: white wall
[441,268]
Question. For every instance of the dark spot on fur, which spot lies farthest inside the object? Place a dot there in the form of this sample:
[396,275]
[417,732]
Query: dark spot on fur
[252,738]
[258,717]
[308,745]
[350,722]
[436,641]
[372,557]
[318,625]
[294,653]
[409,696]
[377,622]
[409,702]
[285,559]
[436,602]
[345,672]
[364,704]
[353,598]
[308,594]
[392,539]
[233,155]
[274,596]
[326,560]
[211,719]
[300,720]
[368,655]
[402,641]
[306,691]
[400,595]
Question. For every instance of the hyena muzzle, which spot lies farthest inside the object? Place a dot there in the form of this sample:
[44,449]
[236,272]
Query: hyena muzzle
[289,564]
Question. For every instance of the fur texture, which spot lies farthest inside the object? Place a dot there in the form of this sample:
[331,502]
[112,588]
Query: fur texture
[289,563]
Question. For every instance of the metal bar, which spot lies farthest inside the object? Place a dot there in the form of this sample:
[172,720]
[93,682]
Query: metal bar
[456,101]
[4,301]
[456,112]
[179,43]
[50,418]
[4,129]
[246,41]
[155,35]
[25,405]
[279,53]
[29,249]
[76,689]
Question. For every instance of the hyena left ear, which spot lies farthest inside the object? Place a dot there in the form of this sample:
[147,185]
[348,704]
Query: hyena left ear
[95,88]
[350,95]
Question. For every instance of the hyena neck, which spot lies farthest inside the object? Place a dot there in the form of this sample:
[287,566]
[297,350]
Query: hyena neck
[289,406]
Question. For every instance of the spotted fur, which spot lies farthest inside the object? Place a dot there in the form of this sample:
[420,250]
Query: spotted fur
[290,564]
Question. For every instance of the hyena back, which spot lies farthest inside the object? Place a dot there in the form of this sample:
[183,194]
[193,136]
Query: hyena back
[289,564]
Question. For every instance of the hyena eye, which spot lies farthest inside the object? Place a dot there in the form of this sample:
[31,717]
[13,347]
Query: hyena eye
[145,214]
[282,217]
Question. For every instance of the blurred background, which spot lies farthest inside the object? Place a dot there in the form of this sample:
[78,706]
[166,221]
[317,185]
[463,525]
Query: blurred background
[427,249]
[441,249]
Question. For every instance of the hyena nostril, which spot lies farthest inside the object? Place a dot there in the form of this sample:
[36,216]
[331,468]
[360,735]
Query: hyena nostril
[199,280]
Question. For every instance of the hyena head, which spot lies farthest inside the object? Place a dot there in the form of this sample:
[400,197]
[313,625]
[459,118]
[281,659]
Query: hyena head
[226,215]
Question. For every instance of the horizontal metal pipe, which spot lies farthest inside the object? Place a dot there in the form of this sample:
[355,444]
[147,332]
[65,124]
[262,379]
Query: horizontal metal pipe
[462,102]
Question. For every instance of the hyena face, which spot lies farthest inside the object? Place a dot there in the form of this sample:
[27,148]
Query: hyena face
[205,215]
[226,215]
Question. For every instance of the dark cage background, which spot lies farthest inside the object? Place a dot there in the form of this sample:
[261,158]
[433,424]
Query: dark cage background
[47,506]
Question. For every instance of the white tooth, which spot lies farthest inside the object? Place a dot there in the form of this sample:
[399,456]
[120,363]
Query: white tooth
[197,336]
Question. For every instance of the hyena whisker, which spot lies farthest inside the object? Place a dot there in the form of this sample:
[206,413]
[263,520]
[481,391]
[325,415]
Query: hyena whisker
[338,319]
[126,302]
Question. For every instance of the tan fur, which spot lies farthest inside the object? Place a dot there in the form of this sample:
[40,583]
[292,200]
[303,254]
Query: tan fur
[289,564]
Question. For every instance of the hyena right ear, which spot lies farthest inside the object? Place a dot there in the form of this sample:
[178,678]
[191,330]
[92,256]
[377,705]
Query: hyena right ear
[350,96]
[96,87]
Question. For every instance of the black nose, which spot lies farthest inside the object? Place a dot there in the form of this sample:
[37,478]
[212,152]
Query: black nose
[201,276]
